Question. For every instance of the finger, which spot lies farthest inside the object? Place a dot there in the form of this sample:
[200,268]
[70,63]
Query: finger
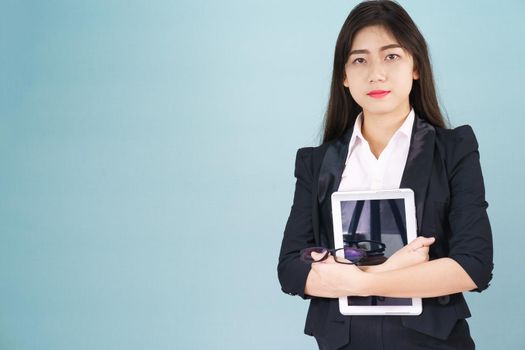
[317,256]
[422,250]
[421,244]
[330,258]
[428,241]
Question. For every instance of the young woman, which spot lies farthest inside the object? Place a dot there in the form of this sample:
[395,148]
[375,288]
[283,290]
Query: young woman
[384,130]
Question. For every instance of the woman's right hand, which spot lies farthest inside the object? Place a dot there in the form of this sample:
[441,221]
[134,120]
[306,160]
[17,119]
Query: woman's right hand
[329,279]
[416,252]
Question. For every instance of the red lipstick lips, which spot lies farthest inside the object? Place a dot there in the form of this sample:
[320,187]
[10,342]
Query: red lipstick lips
[378,93]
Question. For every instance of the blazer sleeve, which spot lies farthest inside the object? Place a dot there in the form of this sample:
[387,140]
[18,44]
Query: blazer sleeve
[298,233]
[470,240]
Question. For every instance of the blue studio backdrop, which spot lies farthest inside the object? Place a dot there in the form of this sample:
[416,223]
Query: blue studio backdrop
[146,164]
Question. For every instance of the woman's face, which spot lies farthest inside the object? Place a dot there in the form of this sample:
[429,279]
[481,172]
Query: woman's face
[378,63]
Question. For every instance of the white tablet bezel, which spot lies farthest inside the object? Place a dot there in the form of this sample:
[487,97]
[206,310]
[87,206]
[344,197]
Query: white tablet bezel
[410,218]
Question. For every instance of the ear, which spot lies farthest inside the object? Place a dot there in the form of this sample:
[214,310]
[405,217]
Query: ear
[345,81]
[415,74]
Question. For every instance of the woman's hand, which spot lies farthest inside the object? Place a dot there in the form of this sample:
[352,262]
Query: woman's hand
[416,252]
[330,279]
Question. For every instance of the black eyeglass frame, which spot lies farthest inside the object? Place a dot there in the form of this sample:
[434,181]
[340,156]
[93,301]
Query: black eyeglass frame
[365,253]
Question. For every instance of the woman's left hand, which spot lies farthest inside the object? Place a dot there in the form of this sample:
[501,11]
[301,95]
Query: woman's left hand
[414,253]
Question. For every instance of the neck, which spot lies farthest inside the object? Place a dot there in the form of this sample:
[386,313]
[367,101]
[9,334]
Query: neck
[379,128]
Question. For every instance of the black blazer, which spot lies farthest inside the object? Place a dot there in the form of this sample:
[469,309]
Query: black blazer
[444,172]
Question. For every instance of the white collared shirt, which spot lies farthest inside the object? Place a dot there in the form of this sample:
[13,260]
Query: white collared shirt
[363,171]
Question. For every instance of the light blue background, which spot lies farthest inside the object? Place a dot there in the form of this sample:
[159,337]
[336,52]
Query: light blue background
[147,152]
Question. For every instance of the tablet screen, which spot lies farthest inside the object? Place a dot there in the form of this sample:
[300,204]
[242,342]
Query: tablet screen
[368,223]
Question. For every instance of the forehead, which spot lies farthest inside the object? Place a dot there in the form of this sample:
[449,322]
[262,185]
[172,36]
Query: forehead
[372,37]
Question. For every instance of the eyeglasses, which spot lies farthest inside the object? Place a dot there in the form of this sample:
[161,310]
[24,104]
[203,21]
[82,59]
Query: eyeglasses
[363,252]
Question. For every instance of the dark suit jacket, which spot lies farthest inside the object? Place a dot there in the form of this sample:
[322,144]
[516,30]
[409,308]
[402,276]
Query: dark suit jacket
[444,172]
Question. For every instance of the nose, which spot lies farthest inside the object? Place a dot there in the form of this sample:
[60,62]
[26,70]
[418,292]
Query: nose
[376,72]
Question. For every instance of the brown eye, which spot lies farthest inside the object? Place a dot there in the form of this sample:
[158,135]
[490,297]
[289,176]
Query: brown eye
[359,60]
[392,57]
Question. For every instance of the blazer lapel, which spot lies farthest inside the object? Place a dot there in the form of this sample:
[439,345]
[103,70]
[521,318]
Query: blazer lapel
[330,175]
[332,166]
[419,164]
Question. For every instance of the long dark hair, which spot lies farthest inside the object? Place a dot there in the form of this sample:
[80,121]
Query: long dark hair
[342,109]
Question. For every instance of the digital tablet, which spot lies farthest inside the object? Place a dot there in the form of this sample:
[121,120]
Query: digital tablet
[377,223]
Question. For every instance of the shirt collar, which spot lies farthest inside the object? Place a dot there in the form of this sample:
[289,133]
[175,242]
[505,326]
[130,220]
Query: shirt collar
[405,129]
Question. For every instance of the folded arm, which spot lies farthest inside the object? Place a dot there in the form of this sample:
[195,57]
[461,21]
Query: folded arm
[468,265]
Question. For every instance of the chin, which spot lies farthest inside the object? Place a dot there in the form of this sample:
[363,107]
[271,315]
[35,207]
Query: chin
[384,106]
[375,109]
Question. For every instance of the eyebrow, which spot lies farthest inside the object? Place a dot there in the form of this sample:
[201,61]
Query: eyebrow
[383,48]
